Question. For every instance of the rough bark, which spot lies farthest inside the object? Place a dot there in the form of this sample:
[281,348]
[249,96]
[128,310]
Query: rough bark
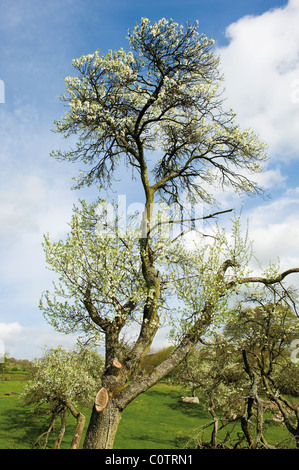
[102,427]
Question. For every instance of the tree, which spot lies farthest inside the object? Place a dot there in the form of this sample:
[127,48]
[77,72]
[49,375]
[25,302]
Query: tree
[153,359]
[162,97]
[215,371]
[102,292]
[61,381]
[237,373]
[264,335]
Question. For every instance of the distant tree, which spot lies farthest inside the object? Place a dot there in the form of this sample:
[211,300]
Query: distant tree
[215,374]
[23,365]
[157,108]
[153,359]
[61,381]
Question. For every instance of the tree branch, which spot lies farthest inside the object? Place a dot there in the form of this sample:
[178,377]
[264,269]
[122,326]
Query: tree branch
[182,221]
[103,323]
[264,280]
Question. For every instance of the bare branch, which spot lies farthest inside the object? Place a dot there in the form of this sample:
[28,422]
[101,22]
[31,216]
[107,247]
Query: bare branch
[183,221]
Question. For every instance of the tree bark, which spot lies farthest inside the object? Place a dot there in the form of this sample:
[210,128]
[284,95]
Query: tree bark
[78,431]
[250,401]
[58,441]
[215,426]
[79,427]
[102,427]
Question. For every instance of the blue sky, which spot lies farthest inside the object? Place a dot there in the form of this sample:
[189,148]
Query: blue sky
[258,43]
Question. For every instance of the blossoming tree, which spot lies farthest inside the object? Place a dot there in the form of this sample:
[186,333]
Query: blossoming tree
[157,109]
[62,381]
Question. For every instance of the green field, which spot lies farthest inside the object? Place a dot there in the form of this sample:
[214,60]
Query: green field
[156,419]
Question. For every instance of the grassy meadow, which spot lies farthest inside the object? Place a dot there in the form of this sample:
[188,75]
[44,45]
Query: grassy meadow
[156,419]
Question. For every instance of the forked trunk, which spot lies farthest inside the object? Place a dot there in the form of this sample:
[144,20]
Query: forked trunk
[110,401]
[102,427]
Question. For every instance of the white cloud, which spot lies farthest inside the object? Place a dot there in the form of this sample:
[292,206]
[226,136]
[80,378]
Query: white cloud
[270,178]
[28,342]
[35,198]
[227,198]
[261,66]
[274,229]
[10,332]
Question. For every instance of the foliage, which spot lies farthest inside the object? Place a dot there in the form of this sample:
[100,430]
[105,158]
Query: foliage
[153,359]
[287,379]
[101,282]
[61,381]
[107,268]
[246,372]
[62,376]
[19,365]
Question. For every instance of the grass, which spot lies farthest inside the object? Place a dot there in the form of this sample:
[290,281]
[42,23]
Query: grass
[14,419]
[156,419]
[164,422]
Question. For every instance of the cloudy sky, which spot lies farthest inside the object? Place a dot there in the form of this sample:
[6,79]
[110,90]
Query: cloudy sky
[258,42]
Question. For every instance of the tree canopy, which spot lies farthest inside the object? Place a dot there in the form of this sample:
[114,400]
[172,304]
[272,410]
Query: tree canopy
[161,98]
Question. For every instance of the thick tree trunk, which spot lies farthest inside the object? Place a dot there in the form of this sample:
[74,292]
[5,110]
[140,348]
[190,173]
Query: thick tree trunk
[102,427]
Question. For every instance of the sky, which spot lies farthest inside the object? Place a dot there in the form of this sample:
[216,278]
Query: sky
[258,44]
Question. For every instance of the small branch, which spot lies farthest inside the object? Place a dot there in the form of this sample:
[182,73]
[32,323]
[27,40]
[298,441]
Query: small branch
[183,221]
[58,441]
[47,433]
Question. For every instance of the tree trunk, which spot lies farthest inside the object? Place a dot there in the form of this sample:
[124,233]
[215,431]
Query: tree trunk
[79,427]
[102,427]
[215,426]
[78,431]
[103,424]
[249,402]
[58,441]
